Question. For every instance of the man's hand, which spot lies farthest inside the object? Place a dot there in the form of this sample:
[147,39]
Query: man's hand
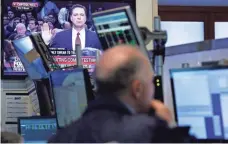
[46,33]
[162,111]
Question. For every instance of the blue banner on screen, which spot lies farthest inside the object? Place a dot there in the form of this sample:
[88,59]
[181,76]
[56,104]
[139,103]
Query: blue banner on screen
[38,130]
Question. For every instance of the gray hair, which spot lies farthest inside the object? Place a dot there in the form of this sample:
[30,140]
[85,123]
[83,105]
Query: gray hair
[20,25]
[120,79]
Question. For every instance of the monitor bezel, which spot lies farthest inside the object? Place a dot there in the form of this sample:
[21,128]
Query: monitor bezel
[171,71]
[132,21]
[88,88]
[23,76]
[31,118]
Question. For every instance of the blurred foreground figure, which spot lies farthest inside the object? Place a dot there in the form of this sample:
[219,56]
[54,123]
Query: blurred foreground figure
[8,137]
[125,110]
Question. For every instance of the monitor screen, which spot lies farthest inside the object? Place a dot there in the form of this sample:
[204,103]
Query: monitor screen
[114,28]
[22,18]
[37,129]
[30,59]
[201,101]
[70,95]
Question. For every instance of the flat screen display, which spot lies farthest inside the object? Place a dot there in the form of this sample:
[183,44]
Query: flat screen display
[23,18]
[114,28]
[70,96]
[30,59]
[201,101]
[37,130]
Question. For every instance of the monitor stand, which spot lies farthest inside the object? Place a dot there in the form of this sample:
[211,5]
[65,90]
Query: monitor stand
[44,97]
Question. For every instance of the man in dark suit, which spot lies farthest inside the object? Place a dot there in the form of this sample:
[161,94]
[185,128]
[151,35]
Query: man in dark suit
[78,34]
[125,110]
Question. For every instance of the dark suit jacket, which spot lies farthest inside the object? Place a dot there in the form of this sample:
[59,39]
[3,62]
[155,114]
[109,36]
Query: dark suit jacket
[63,39]
[107,120]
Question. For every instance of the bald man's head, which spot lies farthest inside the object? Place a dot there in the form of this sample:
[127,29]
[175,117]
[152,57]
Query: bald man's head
[117,57]
[124,70]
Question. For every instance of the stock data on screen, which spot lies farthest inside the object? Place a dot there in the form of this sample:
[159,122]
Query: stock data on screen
[114,29]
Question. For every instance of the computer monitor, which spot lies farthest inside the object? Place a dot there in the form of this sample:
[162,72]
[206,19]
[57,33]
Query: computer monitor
[71,90]
[29,57]
[200,98]
[37,129]
[118,26]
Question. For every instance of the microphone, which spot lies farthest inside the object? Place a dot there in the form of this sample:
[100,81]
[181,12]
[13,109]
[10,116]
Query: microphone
[98,54]
[78,55]
[157,23]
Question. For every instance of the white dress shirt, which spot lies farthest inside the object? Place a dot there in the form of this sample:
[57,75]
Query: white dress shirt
[82,38]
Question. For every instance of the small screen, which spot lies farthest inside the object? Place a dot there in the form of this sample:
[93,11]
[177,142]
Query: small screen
[201,99]
[69,94]
[37,130]
[114,28]
[32,62]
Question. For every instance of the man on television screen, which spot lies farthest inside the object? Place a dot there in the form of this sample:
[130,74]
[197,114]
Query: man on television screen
[78,35]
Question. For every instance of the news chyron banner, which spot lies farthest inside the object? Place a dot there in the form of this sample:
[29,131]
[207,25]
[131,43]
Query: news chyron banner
[15,64]
[65,58]
[11,61]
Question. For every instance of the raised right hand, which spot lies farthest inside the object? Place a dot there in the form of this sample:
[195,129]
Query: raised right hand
[46,33]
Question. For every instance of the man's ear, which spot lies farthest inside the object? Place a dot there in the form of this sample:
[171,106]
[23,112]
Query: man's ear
[137,89]
[85,19]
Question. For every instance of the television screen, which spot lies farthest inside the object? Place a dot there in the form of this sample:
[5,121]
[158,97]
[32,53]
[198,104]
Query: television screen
[66,28]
